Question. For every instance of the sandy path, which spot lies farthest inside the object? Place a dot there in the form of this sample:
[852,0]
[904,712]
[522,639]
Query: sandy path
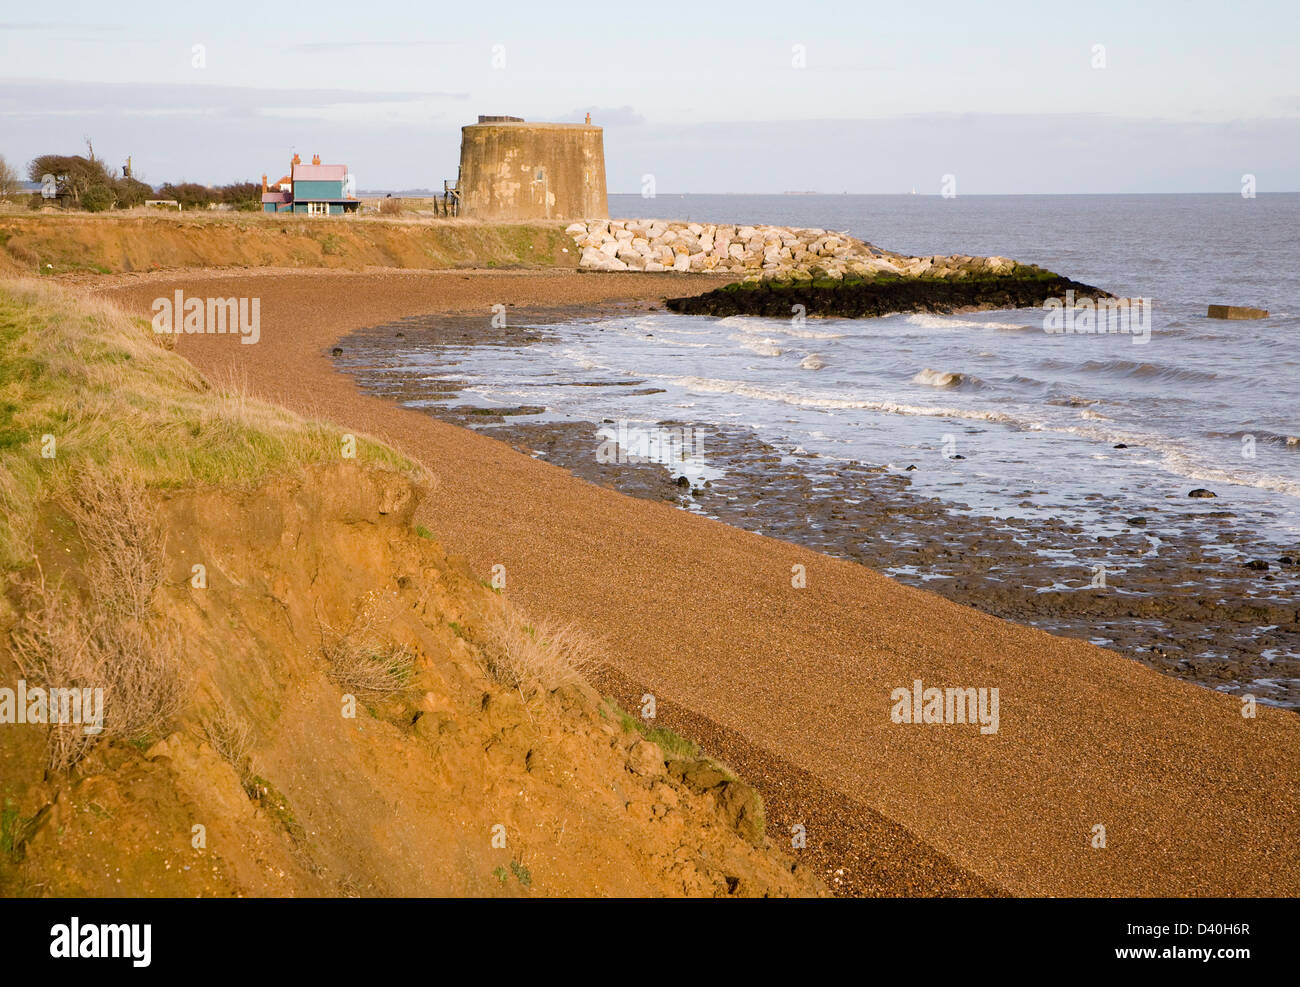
[1194,797]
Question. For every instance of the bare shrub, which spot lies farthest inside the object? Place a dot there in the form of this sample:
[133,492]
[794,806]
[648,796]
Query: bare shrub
[363,659]
[229,734]
[391,207]
[364,666]
[533,657]
[53,645]
[107,637]
[119,527]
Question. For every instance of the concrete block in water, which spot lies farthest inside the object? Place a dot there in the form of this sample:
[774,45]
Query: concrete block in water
[1236,312]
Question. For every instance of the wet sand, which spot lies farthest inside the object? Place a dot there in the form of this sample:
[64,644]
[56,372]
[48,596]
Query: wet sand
[793,683]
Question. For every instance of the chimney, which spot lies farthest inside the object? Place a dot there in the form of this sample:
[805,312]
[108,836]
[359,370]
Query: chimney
[315,159]
[296,159]
[263,182]
[588,119]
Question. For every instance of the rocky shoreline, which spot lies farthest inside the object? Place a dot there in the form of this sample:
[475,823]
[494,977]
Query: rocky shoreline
[781,269]
[856,298]
[1181,611]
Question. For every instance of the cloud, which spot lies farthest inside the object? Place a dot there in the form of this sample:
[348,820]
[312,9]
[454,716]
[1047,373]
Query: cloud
[55,26]
[322,47]
[24,98]
[219,134]
[399,139]
[988,154]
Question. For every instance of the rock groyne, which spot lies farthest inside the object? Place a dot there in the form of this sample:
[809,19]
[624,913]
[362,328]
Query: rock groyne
[759,252]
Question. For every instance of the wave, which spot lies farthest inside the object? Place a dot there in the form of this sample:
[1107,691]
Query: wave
[927,321]
[1022,380]
[939,378]
[1174,457]
[763,347]
[1146,371]
[1177,459]
[1282,439]
[781,327]
[831,403]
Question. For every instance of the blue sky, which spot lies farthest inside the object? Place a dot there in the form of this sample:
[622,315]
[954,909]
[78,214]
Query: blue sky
[711,97]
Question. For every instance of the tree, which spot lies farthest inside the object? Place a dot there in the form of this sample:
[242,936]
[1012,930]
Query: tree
[131,192]
[242,195]
[73,174]
[97,198]
[8,179]
[190,195]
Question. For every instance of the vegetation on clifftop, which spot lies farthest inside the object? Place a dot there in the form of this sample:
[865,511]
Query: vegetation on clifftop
[61,243]
[84,386]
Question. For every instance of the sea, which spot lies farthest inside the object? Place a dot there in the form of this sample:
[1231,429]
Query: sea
[1003,423]
[1035,416]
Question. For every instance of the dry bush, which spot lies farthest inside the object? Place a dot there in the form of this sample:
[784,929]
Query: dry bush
[365,666]
[115,518]
[391,207]
[533,657]
[363,659]
[53,646]
[229,734]
[107,637]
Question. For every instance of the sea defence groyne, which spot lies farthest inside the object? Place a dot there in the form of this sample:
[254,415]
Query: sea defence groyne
[759,252]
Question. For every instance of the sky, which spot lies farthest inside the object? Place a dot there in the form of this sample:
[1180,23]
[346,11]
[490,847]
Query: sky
[718,96]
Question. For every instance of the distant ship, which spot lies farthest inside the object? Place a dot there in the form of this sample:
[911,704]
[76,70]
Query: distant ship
[803,192]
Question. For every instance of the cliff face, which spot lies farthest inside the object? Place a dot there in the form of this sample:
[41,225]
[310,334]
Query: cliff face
[303,694]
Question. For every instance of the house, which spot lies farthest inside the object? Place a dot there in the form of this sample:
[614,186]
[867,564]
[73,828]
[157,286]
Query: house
[315,189]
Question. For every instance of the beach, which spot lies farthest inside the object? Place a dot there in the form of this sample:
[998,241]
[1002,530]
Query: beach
[788,672]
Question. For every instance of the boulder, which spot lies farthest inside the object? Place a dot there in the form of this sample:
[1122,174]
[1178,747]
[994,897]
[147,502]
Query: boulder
[1236,312]
[646,759]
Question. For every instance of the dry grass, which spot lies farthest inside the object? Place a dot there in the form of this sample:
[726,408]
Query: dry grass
[105,634]
[362,658]
[533,657]
[230,735]
[365,666]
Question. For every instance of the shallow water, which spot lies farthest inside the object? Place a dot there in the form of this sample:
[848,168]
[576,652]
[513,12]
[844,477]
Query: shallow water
[1000,419]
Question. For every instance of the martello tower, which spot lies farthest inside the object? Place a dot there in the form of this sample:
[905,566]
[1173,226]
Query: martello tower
[512,169]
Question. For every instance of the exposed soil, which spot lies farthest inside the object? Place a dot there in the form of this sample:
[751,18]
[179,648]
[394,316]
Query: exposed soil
[401,799]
